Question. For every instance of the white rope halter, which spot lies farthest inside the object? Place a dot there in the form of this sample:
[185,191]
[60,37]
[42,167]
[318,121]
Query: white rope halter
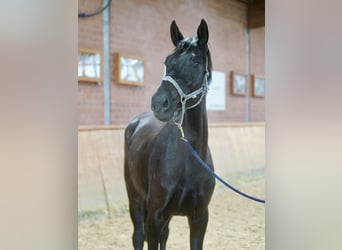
[178,117]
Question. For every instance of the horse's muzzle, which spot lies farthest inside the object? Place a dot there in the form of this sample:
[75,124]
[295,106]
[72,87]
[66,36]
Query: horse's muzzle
[162,107]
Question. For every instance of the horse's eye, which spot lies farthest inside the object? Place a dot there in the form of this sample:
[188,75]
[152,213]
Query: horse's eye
[195,61]
[197,64]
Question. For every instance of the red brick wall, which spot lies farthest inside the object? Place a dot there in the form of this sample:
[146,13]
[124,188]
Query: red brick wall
[90,35]
[141,27]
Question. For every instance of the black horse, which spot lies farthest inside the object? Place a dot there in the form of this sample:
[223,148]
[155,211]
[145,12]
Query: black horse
[162,178]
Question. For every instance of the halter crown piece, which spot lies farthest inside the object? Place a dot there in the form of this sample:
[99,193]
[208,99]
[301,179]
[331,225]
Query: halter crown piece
[178,117]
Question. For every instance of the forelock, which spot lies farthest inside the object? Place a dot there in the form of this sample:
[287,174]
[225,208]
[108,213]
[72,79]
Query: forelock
[187,44]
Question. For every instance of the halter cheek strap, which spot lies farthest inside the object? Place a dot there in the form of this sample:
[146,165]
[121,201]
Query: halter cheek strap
[184,97]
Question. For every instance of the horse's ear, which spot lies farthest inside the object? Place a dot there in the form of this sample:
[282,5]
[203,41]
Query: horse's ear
[176,35]
[202,32]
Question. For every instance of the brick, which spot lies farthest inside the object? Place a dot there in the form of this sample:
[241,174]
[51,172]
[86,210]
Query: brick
[142,28]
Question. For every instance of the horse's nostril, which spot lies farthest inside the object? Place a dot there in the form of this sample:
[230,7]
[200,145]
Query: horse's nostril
[165,103]
[160,103]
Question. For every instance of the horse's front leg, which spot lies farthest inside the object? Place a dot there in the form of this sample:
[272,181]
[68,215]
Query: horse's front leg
[164,234]
[137,212]
[157,231]
[158,217]
[198,225]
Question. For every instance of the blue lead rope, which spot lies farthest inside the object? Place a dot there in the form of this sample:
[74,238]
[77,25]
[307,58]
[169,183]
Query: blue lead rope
[205,165]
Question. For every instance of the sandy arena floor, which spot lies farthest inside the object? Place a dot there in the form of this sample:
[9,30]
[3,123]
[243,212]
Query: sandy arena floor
[235,223]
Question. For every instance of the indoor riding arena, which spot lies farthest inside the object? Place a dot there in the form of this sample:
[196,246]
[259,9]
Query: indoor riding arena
[123,46]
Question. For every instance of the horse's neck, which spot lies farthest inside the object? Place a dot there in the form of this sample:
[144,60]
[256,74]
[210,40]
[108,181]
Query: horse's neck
[196,127]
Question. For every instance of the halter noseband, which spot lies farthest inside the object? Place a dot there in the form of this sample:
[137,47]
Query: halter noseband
[178,119]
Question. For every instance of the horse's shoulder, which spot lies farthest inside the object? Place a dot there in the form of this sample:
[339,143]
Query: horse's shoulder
[145,124]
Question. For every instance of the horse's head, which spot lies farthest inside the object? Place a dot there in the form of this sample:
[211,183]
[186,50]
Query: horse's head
[187,73]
